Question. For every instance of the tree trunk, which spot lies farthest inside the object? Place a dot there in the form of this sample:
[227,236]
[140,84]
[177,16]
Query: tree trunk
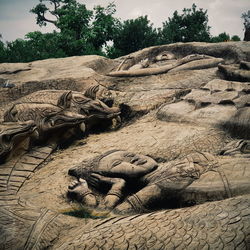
[247,34]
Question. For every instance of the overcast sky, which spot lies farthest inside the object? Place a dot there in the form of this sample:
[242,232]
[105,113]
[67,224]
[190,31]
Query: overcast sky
[224,15]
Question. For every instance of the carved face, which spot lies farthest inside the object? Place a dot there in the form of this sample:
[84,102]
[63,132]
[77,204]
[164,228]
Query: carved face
[48,117]
[12,134]
[93,108]
[125,165]
[63,119]
[87,104]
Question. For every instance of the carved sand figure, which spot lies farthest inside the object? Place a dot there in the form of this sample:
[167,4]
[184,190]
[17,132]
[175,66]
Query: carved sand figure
[154,186]
[206,61]
[51,120]
[85,103]
[12,134]
[88,104]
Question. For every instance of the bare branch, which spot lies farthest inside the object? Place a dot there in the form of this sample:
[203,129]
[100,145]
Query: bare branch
[43,18]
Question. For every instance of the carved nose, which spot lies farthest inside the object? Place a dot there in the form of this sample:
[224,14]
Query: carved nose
[138,161]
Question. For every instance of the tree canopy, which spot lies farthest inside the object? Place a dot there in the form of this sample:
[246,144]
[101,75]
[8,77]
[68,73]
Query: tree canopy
[133,35]
[191,25]
[83,30]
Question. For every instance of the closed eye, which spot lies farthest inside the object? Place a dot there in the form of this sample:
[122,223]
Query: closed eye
[130,155]
[115,163]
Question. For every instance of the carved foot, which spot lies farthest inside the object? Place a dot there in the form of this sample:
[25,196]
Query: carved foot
[79,191]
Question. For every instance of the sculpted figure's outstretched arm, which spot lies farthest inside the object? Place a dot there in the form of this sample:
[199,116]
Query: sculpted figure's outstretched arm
[115,193]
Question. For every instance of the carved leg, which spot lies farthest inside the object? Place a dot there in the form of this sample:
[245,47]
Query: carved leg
[141,201]
[114,195]
[79,190]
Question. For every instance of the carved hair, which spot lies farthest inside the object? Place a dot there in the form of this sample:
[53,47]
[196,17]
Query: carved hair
[64,100]
[91,92]
[84,169]
[8,115]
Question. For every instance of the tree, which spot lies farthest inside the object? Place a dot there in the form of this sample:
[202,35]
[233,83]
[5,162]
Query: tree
[35,46]
[246,21]
[44,46]
[133,35]
[81,29]
[3,54]
[222,37]
[235,38]
[104,26]
[191,25]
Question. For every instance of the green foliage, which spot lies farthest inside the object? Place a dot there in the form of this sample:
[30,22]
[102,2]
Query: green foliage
[3,52]
[133,35]
[191,25]
[222,37]
[82,32]
[36,46]
[104,26]
[235,38]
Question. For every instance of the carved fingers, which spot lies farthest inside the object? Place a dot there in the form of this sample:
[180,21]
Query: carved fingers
[79,191]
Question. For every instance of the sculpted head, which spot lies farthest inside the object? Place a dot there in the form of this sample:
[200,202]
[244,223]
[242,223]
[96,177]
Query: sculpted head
[13,133]
[117,163]
[87,104]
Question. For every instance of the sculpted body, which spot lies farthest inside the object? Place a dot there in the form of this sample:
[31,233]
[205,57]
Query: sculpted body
[201,61]
[138,184]
[49,119]
[215,225]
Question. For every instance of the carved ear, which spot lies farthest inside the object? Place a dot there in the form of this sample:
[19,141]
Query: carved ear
[65,100]
[91,92]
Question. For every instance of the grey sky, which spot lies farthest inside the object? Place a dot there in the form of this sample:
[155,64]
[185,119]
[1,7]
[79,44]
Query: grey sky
[224,15]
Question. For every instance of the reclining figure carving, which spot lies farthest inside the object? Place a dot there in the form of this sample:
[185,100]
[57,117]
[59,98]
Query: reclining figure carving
[208,62]
[51,120]
[137,183]
[12,134]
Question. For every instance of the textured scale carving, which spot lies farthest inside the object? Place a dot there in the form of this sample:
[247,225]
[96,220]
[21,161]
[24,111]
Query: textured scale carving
[223,225]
